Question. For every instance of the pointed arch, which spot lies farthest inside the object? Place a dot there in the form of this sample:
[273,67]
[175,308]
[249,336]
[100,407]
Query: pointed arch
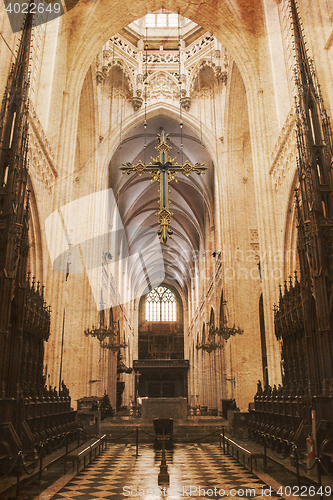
[161,305]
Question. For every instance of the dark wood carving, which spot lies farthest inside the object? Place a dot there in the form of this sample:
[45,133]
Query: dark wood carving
[303,317]
[30,412]
[161,340]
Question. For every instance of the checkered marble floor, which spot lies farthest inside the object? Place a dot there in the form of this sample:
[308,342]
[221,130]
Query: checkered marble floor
[196,471]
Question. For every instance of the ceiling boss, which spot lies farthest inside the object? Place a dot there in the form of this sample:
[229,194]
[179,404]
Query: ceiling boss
[163,169]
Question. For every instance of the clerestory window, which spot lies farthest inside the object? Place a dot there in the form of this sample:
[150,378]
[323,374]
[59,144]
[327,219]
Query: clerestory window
[161,305]
[165,20]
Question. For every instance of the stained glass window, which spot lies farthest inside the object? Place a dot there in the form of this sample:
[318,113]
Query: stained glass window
[161,305]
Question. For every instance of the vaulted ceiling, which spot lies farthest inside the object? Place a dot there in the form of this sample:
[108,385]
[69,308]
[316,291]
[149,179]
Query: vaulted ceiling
[191,198]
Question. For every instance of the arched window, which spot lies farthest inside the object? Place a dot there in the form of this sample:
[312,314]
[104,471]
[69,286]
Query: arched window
[161,305]
[164,20]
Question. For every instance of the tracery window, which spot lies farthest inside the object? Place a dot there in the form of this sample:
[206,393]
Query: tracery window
[161,305]
[164,20]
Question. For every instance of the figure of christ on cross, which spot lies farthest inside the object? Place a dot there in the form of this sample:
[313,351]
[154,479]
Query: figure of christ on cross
[163,169]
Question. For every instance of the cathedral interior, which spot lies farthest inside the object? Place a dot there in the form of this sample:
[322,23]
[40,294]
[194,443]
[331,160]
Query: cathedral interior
[166,221]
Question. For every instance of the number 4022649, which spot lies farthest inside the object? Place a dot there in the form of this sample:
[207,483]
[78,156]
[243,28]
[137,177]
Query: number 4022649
[33,8]
[304,491]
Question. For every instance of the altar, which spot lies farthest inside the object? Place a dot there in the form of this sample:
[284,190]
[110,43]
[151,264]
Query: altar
[175,408]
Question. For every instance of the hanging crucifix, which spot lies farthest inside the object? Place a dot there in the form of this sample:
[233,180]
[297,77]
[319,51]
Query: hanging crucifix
[163,169]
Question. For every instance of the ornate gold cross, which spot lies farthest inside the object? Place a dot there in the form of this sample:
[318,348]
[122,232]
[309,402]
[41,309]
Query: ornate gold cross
[163,169]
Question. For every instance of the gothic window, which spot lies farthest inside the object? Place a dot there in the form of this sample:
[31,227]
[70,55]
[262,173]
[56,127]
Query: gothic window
[161,305]
[164,20]
[161,20]
[223,313]
[111,322]
[150,20]
[211,322]
[173,20]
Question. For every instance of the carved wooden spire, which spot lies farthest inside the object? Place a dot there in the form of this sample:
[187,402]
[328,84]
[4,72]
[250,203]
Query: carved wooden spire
[13,176]
[314,207]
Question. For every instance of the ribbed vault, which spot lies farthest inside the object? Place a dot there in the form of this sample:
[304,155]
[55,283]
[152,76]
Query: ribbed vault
[191,199]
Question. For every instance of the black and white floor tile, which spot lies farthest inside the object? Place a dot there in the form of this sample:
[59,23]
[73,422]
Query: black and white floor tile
[195,471]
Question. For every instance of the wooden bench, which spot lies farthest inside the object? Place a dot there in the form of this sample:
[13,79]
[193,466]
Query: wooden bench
[245,452]
[84,451]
